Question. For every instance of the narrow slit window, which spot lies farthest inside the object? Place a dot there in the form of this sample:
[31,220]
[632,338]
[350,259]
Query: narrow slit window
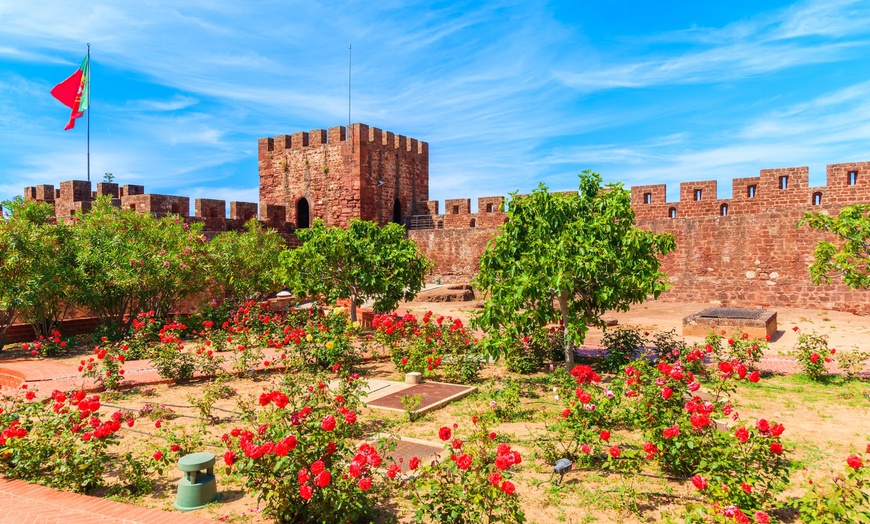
[783,182]
[750,191]
[489,208]
[473,223]
[723,210]
[455,210]
[647,198]
[672,212]
[697,194]
[817,199]
[853,178]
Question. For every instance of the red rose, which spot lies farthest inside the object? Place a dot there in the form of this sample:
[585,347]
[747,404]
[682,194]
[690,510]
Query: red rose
[586,448]
[742,434]
[615,451]
[306,492]
[175,448]
[393,471]
[814,358]
[229,458]
[854,462]
[463,462]
[365,484]
[776,448]
[667,393]
[762,517]
[157,455]
[762,425]
[508,488]
[414,463]
[328,423]
[746,487]
[699,482]
[671,432]
[754,377]
[323,479]
[605,435]
[318,467]
[444,433]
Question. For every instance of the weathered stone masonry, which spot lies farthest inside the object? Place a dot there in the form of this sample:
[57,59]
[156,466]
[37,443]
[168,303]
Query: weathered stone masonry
[741,251]
[747,250]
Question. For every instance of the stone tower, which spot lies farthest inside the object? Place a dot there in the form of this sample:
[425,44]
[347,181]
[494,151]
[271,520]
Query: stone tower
[372,174]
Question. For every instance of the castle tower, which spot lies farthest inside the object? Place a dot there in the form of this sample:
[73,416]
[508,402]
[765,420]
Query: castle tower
[372,174]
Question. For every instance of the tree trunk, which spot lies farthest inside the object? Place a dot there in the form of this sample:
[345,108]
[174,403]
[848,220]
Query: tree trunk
[352,307]
[569,353]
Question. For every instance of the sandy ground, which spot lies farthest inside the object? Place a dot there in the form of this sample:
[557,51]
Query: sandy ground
[844,330]
[822,426]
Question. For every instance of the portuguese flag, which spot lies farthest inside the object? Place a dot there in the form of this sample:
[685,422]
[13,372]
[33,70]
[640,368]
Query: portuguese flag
[74,92]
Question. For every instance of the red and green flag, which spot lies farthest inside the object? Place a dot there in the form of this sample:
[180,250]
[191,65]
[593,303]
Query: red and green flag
[74,92]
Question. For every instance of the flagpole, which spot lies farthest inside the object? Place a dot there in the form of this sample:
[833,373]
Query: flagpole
[88,80]
[349,61]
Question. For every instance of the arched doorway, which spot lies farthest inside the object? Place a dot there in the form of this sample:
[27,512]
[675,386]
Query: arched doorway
[303,216]
[397,212]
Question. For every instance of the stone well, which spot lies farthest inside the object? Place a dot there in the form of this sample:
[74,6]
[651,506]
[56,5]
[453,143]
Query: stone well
[756,322]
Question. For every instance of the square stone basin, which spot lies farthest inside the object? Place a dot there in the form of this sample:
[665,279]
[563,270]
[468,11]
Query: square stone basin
[758,323]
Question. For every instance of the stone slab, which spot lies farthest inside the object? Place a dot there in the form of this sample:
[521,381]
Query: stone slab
[433,395]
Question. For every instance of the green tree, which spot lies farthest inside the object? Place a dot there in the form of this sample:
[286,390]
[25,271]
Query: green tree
[566,257]
[847,256]
[359,263]
[130,262]
[243,264]
[37,261]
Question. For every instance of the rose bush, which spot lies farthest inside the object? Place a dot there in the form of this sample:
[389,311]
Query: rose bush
[62,442]
[469,483]
[441,347]
[298,454]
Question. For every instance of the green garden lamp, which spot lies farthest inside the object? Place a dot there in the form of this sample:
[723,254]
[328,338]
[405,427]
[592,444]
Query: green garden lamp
[197,487]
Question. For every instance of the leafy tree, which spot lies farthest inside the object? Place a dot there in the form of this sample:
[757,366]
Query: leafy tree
[566,257]
[848,255]
[130,262]
[36,267]
[243,264]
[361,262]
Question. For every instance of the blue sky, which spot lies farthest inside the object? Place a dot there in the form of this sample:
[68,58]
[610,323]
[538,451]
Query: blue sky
[508,94]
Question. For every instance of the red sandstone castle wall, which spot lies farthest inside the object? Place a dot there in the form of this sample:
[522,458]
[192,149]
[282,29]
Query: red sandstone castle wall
[340,177]
[752,253]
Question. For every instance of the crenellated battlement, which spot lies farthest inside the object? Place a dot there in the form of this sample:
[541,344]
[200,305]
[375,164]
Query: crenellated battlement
[774,188]
[75,197]
[337,135]
[458,215]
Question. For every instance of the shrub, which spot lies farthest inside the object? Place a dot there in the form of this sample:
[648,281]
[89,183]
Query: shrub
[297,453]
[851,362]
[738,348]
[439,347]
[470,485]
[811,352]
[846,498]
[50,346]
[544,344]
[62,443]
[622,346]
[105,366]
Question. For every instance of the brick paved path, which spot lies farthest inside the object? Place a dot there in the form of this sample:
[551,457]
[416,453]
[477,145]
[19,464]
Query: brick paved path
[23,503]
